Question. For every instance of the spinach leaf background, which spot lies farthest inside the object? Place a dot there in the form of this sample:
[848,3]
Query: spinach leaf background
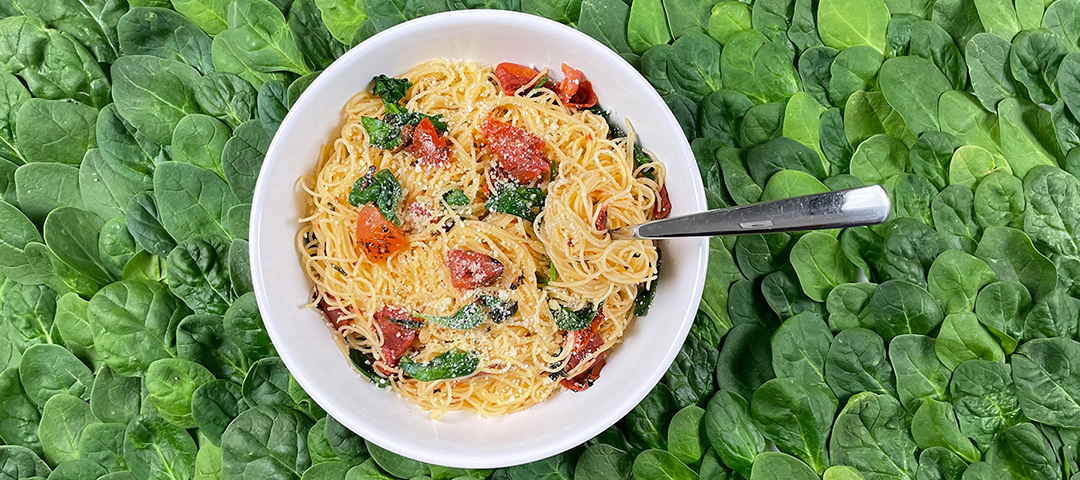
[942,344]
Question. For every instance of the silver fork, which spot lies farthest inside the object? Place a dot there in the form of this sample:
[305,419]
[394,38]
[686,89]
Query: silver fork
[821,211]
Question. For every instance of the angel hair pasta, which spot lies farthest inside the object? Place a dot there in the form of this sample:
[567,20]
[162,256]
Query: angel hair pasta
[457,233]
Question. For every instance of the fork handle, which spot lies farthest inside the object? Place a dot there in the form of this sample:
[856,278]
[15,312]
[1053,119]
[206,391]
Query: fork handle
[821,211]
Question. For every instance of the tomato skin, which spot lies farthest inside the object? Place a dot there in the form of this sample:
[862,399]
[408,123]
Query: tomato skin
[601,220]
[396,338]
[520,153]
[332,313]
[585,379]
[379,237]
[427,146]
[469,269]
[513,77]
[574,90]
[662,207]
[586,343]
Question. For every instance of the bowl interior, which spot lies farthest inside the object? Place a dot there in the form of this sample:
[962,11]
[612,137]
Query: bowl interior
[307,346]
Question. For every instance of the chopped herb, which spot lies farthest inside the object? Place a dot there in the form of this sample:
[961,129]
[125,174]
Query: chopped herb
[470,316]
[384,135]
[539,84]
[456,199]
[498,309]
[524,202]
[364,363]
[570,320]
[391,90]
[645,296]
[453,363]
[552,275]
[383,190]
[554,168]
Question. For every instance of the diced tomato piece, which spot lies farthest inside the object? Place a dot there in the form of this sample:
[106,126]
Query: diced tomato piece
[601,220]
[585,344]
[662,207]
[570,83]
[469,269]
[396,338]
[513,77]
[428,146]
[574,90]
[333,314]
[379,237]
[521,154]
[584,98]
[585,379]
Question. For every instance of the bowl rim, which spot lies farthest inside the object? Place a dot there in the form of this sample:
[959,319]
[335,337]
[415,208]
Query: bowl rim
[699,249]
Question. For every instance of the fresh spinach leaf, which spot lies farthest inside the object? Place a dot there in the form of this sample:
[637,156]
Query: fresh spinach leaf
[58,66]
[162,32]
[171,382]
[872,434]
[469,316]
[226,97]
[453,363]
[192,202]
[63,420]
[242,158]
[524,202]
[380,188]
[134,324]
[156,449]
[796,415]
[920,376]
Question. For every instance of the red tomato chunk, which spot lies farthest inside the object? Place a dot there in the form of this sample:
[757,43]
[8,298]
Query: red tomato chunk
[469,269]
[574,90]
[520,154]
[396,338]
[427,146]
[513,77]
[379,237]
[586,343]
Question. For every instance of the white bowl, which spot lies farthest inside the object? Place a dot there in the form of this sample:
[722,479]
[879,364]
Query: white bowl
[306,344]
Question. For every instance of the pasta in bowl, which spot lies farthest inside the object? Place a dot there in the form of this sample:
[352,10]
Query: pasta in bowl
[460,215]
[458,234]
